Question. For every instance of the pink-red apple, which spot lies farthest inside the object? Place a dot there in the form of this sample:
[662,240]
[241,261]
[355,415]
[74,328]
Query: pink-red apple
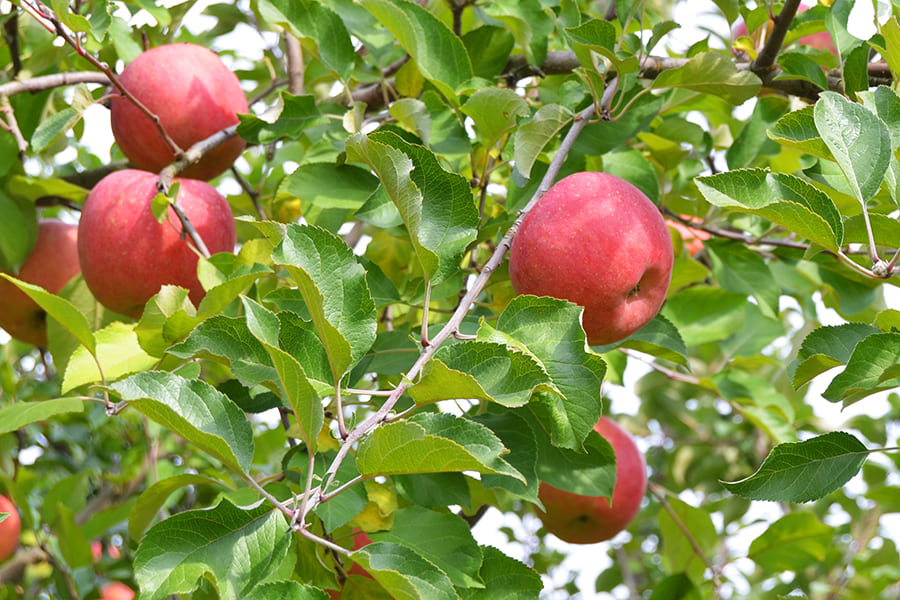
[10,528]
[116,590]
[127,255]
[693,238]
[590,519]
[51,264]
[821,40]
[194,95]
[596,240]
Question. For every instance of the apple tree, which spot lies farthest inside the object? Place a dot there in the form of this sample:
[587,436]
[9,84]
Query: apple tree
[361,406]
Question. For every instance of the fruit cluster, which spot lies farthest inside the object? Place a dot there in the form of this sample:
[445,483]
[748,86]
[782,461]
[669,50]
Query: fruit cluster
[122,250]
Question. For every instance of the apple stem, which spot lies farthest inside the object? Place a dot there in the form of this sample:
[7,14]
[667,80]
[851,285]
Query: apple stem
[188,228]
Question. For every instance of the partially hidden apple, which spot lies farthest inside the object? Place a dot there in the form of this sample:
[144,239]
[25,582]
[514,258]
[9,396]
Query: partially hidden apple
[116,590]
[51,264]
[596,240]
[193,93]
[360,539]
[127,255]
[10,528]
[590,519]
[693,237]
[820,40]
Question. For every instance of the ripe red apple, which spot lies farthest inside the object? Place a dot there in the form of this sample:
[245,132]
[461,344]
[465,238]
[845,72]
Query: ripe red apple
[821,40]
[51,264]
[596,240]
[590,519]
[116,590]
[127,255]
[693,238]
[360,539]
[9,528]
[194,95]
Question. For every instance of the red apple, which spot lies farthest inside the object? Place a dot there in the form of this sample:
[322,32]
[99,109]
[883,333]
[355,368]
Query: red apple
[194,95]
[116,590]
[51,264]
[10,528]
[360,539]
[127,255]
[693,238]
[590,519]
[596,240]
[821,40]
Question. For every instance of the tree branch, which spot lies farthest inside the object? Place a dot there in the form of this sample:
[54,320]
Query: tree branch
[766,57]
[47,82]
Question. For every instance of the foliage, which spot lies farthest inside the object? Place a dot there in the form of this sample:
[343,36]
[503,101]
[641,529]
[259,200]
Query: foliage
[362,362]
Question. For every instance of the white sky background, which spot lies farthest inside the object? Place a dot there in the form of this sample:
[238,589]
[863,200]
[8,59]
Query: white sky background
[590,560]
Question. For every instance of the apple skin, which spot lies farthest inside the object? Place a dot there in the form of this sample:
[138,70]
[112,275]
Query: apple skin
[116,590]
[596,240]
[194,95]
[10,529]
[590,519]
[51,264]
[127,255]
[821,40]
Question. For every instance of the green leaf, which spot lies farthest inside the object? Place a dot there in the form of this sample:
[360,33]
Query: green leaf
[495,111]
[19,414]
[675,587]
[859,141]
[286,590]
[742,271]
[781,198]
[18,231]
[480,370]
[405,574]
[794,542]
[711,73]
[294,115]
[504,577]
[591,472]
[659,338]
[679,554]
[60,309]
[549,330]
[873,367]
[194,410]
[442,538]
[237,548]
[804,471]
[154,497]
[530,23]
[167,318]
[328,185]
[316,21]
[437,206]
[334,287]
[302,396]
[801,66]
[118,353]
[432,443]
[53,126]
[517,434]
[439,54]
[753,140]
[825,348]
[705,314]
[797,129]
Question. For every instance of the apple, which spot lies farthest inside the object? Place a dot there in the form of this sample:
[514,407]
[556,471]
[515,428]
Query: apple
[590,519]
[821,40]
[596,240]
[51,264]
[194,95]
[693,238]
[127,255]
[116,590]
[10,528]
[360,539]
